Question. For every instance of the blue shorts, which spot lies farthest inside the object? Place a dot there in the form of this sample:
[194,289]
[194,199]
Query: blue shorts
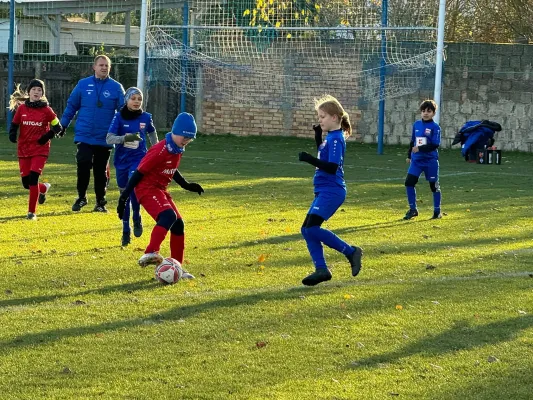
[430,168]
[326,203]
[123,175]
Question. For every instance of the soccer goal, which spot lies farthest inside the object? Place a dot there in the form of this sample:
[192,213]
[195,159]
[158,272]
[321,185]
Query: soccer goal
[272,56]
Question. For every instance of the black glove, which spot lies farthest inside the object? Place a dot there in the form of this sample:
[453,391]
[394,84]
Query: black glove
[317,129]
[132,137]
[45,138]
[13,137]
[61,133]
[121,205]
[194,187]
[306,157]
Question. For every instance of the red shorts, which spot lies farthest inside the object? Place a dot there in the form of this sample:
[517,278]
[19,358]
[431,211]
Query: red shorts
[157,201]
[28,164]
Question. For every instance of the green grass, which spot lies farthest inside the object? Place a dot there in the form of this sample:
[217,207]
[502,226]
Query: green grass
[80,319]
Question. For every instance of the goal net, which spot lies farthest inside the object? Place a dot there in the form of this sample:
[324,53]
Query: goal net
[279,54]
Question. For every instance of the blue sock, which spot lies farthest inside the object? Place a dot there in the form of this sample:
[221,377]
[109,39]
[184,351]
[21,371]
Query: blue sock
[136,207]
[436,201]
[411,197]
[315,249]
[330,239]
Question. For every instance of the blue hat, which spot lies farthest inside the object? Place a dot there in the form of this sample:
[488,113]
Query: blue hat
[131,91]
[184,125]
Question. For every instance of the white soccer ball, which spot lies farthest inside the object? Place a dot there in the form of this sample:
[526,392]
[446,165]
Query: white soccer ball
[169,271]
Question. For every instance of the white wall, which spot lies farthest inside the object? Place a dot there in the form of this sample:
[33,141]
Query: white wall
[71,32]
[4,35]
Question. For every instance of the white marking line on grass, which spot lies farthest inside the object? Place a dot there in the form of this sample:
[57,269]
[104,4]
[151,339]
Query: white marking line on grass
[360,166]
[284,162]
[403,177]
[298,290]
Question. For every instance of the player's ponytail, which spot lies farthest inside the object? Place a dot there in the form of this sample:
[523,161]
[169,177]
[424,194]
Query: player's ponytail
[346,126]
[17,98]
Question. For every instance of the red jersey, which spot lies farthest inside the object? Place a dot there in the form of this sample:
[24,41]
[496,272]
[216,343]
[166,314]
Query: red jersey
[158,167]
[33,123]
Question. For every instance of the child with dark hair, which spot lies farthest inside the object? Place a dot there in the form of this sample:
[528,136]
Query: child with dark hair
[129,130]
[423,156]
[38,124]
[150,181]
[330,189]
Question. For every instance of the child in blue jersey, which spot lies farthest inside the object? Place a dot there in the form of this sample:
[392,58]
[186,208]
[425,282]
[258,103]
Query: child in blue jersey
[330,189]
[130,128]
[423,156]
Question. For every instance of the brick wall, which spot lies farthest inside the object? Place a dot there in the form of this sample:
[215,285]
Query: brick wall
[481,81]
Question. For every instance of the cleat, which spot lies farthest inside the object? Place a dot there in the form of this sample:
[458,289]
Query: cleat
[42,196]
[31,216]
[355,260]
[137,228]
[320,275]
[187,275]
[413,212]
[126,238]
[436,215]
[79,204]
[150,258]
[100,206]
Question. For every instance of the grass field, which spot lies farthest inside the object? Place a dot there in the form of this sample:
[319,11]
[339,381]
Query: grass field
[441,310]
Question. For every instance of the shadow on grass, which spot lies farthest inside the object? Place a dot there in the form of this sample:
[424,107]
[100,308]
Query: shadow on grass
[39,215]
[461,337]
[126,288]
[176,313]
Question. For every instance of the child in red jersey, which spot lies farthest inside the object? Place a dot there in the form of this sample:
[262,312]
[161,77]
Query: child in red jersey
[150,180]
[34,117]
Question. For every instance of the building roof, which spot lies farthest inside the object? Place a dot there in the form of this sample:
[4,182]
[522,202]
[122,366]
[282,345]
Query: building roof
[50,7]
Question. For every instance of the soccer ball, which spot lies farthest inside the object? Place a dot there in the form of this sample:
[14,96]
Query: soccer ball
[169,271]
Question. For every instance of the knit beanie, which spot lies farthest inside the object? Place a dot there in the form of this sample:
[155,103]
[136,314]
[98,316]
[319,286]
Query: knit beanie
[184,125]
[131,91]
[36,83]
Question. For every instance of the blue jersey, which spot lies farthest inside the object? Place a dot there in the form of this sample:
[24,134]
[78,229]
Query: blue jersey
[130,152]
[425,133]
[332,150]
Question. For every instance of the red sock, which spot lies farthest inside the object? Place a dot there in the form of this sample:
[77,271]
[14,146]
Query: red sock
[158,235]
[177,247]
[34,196]
[42,188]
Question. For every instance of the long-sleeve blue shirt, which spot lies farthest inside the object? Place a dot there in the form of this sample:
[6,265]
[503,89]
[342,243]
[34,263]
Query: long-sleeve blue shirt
[332,150]
[95,102]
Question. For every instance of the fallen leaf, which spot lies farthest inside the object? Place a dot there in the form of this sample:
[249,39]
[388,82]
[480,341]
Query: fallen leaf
[66,370]
[260,345]
[522,312]
[79,302]
[436,366]
[348,296]
[261,258]
[430,267]
[492,359]
[399,307]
